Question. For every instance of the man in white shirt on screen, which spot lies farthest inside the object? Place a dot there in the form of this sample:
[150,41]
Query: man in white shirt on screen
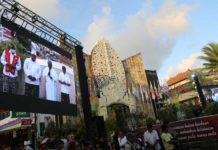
[50,76]
[12,64]
[64,80]
[32,72]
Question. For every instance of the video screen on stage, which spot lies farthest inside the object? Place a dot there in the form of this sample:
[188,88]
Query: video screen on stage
[32,69]
[211,94]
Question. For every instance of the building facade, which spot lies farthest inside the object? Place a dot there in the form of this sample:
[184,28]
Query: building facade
[137,84]
[181,89]
[116,85]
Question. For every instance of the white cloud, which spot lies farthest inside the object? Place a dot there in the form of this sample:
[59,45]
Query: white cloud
[151,33]
[99,28]
[190,62]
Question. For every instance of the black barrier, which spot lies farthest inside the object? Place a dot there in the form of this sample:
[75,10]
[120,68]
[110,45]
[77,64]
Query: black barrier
[85,94]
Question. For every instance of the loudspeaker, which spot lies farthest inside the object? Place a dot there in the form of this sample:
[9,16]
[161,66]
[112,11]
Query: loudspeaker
[100,130]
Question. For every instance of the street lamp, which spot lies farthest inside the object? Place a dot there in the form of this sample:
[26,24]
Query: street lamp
[199,89]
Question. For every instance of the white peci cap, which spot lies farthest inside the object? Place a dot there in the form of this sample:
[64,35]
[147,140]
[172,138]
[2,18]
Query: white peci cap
[33,52]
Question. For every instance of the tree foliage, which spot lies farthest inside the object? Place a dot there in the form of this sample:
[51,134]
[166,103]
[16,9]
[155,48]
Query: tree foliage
[121,122]
[211,108]
[141,119]
[203,80]
[210,56]
[110,123]
[69,127]
[168,113]
[150,121]
[51,130]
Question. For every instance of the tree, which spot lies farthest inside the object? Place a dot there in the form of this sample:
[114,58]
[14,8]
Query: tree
[141,119]
[204,80]
[121,123]
[211,108]
[51,130]
[110,124]
[168,113]
[187,109]
[210,56]
[150,121]
[80,130]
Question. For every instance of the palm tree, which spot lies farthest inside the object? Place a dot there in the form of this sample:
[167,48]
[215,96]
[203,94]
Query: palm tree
[210,56]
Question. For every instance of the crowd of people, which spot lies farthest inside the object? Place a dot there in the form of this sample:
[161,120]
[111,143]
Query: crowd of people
[151,139]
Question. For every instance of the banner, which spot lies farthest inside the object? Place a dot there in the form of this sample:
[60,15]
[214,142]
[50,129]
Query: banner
[197,129]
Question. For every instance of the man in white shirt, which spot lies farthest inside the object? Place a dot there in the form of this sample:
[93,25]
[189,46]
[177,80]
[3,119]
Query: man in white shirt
[32,71]
[50,76]
[64,80]
[122,140]
[151,138]
[12,64]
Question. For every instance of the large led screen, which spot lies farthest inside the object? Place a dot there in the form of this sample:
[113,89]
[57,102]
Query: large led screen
[32,69]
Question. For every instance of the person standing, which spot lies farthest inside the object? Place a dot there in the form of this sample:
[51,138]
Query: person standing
[122,139]
[151,138]
[64,80]
[167,138]
[50,76]
[32,71]
[27,145]
[12,64]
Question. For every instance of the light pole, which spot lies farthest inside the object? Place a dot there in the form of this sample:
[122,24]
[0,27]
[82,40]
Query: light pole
[199,89]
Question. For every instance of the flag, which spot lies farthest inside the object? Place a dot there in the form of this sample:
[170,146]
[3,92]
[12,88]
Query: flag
[128,89]
[149,95]
[137,91]
[155,90]
[133,89]
[152,91]
[160,91]
[141,93]
[144,94]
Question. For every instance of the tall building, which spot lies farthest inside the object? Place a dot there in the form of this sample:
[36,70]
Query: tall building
[107,81]
[137,84]
[116,85]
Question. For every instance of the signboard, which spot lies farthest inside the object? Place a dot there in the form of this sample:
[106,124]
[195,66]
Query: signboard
[191,130]
[26,122]
[20,114]
[197,129]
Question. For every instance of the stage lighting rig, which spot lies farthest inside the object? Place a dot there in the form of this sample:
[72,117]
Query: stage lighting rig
[27,19]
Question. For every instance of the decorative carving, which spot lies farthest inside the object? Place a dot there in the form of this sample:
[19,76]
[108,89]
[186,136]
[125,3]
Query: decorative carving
[106,64]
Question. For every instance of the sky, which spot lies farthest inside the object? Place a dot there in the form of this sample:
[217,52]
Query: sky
[168,33]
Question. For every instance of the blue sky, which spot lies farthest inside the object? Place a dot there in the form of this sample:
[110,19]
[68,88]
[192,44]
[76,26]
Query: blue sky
[168,33]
